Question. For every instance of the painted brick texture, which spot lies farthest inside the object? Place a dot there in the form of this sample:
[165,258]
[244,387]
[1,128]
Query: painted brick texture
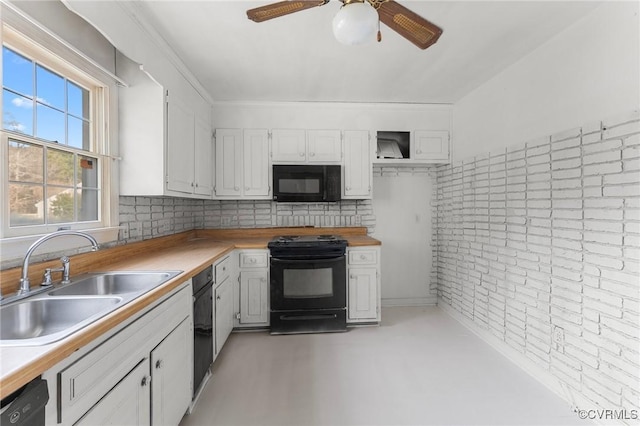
[142,218]
[547,234]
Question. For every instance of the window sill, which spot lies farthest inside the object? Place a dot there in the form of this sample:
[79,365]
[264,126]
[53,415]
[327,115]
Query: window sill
[13,249]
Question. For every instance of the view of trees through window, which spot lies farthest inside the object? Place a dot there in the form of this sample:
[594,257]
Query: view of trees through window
[47,184]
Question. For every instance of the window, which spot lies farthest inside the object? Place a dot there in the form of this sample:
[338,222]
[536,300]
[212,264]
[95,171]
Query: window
[53,125]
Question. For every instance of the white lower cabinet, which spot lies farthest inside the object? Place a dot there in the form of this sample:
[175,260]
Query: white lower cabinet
[254,290]
[223,296]
[126,404]
[171,382]
[253,309]
[363,285]
[141,374]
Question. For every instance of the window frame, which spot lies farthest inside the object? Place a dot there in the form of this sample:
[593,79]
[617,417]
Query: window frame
[38,46]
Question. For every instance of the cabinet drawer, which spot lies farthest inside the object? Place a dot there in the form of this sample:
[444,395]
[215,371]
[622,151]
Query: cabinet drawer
[363,257]
[223,269]
[253,260]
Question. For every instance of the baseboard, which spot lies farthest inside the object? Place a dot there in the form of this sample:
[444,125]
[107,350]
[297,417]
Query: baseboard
[410,301]
[575,401]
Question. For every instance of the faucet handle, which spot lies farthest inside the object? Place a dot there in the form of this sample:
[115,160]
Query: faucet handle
[46,278]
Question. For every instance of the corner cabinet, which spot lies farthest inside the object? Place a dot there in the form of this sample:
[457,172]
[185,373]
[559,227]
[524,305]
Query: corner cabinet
[242,164]
[166,138]
[189,151]
[358,170]
[363,285]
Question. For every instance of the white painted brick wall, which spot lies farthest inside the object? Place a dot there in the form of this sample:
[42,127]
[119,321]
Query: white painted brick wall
[149,217]
[565,253]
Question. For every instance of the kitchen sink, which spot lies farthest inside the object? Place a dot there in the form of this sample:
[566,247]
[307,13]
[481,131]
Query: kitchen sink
[43,320]
[114,283]
[53,314]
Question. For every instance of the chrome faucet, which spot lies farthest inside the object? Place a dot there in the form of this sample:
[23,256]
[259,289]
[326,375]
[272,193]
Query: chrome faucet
[25,285]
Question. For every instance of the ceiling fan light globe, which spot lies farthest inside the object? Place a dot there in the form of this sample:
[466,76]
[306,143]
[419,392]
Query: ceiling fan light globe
[355,23]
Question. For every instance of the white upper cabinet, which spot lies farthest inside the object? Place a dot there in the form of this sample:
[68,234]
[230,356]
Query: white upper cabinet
[324,146]
[357,168]
[228,162]
[311,146]
[431,145]
[166,142]
[180,147]
[242,164]
[289,146]
[203,155]
[256,170]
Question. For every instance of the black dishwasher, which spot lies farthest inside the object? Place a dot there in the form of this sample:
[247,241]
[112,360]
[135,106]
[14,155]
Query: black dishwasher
[202,325]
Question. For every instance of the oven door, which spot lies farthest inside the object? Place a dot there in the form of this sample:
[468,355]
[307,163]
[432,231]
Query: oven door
[298,284]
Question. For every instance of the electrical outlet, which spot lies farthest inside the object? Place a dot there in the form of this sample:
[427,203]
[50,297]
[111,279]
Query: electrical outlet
[558,338]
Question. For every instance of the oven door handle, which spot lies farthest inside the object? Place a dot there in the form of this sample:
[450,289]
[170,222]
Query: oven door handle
[308,260]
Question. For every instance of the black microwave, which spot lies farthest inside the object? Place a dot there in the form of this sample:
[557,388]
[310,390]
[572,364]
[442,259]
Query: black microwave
[306,183]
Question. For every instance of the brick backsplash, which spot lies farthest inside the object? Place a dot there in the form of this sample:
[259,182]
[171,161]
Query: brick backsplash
[142,218]
[545,235]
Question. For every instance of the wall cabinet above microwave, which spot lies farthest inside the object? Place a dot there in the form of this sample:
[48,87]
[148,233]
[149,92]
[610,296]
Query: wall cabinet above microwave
[295,146]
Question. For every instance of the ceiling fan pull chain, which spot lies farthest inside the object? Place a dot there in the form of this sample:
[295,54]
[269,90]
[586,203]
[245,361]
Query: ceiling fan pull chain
[379,33]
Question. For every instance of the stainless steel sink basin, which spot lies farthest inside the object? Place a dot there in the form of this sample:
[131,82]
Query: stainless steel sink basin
[114,283]
[48,316]
[43,320]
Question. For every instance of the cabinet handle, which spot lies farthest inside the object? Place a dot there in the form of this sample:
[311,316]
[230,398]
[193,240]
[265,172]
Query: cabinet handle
[312,154]
[158,363]
[419,151]
[262,280]
[196,184]
[363,257]
[144,381]
[218,297]
[348,188]
[191,184]
[246,188]
[236,188]
[353,277]
[237,315]
[301,154]
[224,268]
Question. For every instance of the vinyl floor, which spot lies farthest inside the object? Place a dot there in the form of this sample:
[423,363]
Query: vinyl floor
[419,367]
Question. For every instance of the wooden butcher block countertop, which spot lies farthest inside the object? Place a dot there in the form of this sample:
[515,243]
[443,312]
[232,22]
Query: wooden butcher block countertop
[190,252]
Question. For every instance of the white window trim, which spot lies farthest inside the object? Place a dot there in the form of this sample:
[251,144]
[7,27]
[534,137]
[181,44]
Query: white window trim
[12,244]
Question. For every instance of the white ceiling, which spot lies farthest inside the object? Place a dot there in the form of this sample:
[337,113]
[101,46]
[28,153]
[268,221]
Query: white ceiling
[296,58]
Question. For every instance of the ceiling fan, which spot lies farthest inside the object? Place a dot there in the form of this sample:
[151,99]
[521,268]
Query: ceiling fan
[408,24]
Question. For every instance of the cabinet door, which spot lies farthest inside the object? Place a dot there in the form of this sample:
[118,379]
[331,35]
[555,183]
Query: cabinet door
[363,294]
[431,145]
[203,161]
[288,146]
[358,167]
[224,313]
[324,146]
[256,163]
[172,374]
[254,290]
[180,147]
[128,403]
[228,162]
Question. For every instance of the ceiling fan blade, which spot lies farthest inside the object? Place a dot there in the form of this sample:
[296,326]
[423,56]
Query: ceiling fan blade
[275,10]
[409,24]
